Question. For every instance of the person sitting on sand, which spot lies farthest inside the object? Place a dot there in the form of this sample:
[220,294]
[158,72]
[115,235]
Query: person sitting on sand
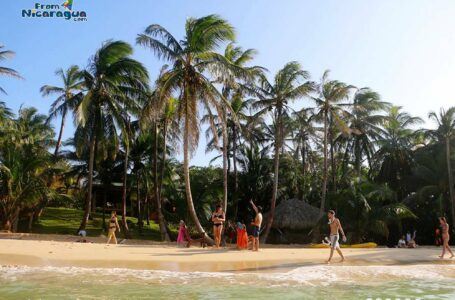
[113,226]
[445,237]
[402,242]
[335,228]
[412,244]
[256,224]
[218,218]
[242,237]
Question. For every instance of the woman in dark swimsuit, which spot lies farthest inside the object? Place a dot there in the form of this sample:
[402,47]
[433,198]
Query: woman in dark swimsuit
[218,219]
[445,237]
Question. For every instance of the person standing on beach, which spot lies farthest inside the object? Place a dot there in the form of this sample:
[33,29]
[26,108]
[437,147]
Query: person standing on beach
[445,237]
[256,225]
[113,226]
[335,228]
[218,218]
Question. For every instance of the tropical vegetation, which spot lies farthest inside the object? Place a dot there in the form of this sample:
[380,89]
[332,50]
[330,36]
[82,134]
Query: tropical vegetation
[275,136]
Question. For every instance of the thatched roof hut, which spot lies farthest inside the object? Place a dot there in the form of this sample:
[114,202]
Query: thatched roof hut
[295,214]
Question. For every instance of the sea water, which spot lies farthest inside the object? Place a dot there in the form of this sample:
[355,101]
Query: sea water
[312,282]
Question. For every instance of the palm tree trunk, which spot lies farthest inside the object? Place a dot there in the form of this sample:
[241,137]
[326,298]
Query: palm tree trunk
[186,174]
[333,167]
[162,223]
[104,208]
[60,134]
[225,163]
[324,171]
[139,201]
[278,140]
[88,198]
[358,157]
[304,168]
[236,182]
[147,209]
[451,188]
[124,189]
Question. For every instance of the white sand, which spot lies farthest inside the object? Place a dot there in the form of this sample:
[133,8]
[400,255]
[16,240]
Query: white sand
[50,250]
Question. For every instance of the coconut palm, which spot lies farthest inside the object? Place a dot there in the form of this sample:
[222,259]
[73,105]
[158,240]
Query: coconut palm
[114,85]
[4,71]
[330,94]
[290,83]
[192,59]
[25,165]
[233,88]
[365,119]
[66,100]
[304,136]
[394,158]
[445,133]
[159,113]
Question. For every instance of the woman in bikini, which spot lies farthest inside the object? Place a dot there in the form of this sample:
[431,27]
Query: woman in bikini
[218,219]
[445,237]
[113,226]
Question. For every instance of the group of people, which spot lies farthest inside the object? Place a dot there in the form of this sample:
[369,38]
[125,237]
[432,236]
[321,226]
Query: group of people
[408,241]
[246,237]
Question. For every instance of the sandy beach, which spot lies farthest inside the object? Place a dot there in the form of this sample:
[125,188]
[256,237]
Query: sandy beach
[63,251]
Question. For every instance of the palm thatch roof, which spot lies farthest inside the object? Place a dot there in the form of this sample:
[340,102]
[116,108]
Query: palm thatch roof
[295,214]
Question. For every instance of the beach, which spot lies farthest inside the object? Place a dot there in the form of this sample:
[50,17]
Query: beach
[64,251]
[57,267]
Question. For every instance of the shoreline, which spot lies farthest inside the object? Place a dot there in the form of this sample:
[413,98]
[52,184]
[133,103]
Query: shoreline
[62,251]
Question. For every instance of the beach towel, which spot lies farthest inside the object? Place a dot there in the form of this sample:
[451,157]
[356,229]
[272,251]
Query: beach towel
[242,238]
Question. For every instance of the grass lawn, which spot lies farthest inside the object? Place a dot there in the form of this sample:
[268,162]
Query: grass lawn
[67,221]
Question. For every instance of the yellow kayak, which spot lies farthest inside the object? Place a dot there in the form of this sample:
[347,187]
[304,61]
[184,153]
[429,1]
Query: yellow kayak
[364,245]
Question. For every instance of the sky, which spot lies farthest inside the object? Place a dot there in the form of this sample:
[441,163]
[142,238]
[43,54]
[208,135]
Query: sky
[405,50]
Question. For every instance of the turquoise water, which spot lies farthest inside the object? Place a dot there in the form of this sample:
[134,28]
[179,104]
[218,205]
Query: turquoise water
[324,282]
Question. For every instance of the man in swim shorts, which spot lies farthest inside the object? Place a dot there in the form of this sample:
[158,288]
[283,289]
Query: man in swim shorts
[335,228]
[256,225]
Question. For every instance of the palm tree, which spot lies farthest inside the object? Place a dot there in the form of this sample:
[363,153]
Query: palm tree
[331,93]
[394,158]
[4,54]
[192,59]
[114,85]
[25,165]
[159,113]
[290,83]
[365,119]
[66,99]
[445,134]
[303,138]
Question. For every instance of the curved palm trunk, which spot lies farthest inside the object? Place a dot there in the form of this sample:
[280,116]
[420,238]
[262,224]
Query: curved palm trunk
[88,198]
[324,171]
[451,188]
[124,188]
[162,223]
[278,146]
[186,173]
[60,134]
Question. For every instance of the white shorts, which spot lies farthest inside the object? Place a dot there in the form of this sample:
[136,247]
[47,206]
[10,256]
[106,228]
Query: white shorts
[334,241]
